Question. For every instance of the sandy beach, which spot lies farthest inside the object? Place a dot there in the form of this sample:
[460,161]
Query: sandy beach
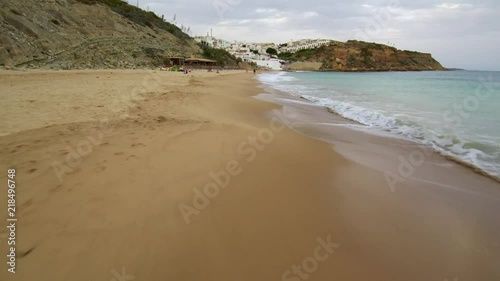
[150,175]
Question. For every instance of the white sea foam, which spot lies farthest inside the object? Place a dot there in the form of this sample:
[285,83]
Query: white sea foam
[450,145]
[482,153]
[270,79]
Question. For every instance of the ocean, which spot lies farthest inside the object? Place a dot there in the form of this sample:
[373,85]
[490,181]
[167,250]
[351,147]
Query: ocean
[455,112]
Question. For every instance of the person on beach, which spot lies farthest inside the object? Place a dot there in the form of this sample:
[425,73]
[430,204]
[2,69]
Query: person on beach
[254,71]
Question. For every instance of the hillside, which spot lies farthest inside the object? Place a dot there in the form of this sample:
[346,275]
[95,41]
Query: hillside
[361,56]
[76,34]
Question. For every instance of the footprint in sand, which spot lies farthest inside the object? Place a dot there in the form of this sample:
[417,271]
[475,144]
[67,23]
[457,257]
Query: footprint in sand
[26,204]
[54,189]
[138,144]
[100,169]
[23,254]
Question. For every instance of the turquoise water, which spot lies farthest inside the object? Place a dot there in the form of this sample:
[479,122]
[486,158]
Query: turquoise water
[455,112]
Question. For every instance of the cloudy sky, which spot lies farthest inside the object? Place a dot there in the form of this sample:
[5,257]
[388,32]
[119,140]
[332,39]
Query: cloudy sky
[459,33]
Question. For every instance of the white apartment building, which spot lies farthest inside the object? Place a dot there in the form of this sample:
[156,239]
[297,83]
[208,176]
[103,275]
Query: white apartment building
[295,46]
[256,52]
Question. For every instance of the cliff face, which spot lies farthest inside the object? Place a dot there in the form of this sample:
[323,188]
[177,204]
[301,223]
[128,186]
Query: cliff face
[73,34]
[363,56]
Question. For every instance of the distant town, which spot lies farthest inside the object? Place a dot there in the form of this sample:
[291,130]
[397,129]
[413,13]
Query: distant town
[264,55]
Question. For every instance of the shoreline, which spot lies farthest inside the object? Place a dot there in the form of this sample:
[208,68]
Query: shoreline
[472,167]
[366,71]
[437,175]
[260,199]
[380,132]
[279,97]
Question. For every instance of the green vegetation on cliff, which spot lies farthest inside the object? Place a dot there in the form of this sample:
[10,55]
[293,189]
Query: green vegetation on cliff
[223,57]
[90,34]
[301,55]
[87,34]
[139,16]
[363,56]
[151,20]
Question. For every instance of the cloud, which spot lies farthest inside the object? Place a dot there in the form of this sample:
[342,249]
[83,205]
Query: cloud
[310,14]
[265,11]
[455,31]
[453,6]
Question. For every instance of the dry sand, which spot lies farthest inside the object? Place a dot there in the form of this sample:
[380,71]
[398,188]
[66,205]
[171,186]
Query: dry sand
[108,161]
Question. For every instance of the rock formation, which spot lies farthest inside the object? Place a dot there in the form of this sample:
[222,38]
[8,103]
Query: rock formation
[363,56]
[79,34]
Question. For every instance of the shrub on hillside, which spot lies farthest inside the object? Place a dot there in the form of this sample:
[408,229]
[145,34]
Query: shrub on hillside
[139,16]
[221,56]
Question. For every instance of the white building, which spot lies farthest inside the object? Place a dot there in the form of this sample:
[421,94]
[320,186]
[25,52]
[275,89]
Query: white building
[256,52]
[213,42]
[295,46]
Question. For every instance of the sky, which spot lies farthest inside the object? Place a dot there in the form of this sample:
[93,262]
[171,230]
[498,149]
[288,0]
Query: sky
[458,33]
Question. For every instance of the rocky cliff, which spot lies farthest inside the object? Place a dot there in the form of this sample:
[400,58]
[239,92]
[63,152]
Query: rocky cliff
[76,34]
[363,56]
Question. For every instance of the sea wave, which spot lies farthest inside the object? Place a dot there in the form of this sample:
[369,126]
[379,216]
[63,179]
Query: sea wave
[275,78]
[481,154]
